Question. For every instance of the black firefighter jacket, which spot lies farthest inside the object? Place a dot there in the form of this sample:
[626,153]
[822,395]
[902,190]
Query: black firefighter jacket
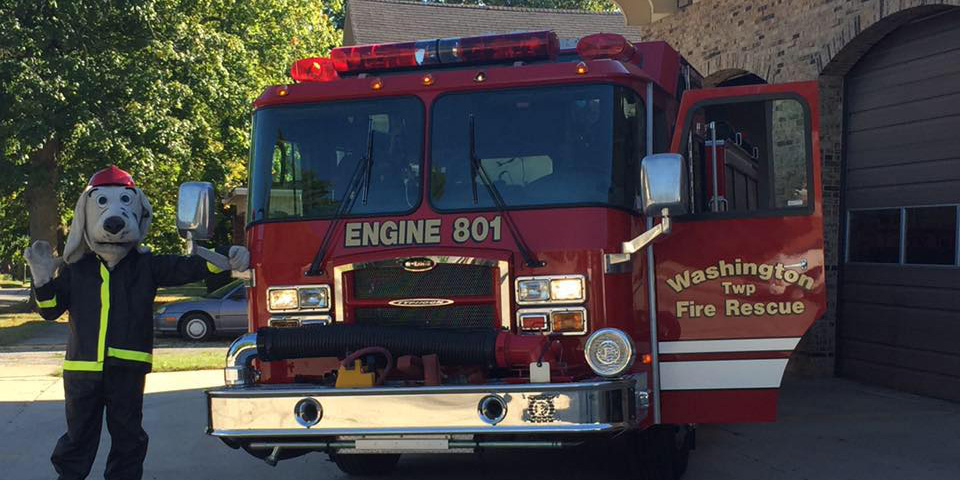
[111,312]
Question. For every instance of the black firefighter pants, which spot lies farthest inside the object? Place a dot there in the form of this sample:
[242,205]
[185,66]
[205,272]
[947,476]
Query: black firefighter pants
[120,392]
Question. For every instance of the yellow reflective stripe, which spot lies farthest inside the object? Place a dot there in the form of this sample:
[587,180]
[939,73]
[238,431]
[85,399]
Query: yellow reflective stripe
[104,311]
[82,365]
[213,268]
[130,355]
[47,303]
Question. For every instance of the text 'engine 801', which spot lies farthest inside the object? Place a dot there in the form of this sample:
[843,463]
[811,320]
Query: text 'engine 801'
[419,232]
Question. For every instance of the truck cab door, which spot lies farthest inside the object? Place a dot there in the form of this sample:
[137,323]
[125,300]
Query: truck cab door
[741,277]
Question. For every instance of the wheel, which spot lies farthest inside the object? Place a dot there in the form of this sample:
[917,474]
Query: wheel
[660,452]
[196,327]
[365,464]
[684,439]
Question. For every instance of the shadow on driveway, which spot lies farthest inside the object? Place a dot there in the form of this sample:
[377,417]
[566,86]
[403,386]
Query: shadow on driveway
[828,429]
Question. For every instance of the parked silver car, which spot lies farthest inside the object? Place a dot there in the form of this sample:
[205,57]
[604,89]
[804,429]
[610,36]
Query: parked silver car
[222,311]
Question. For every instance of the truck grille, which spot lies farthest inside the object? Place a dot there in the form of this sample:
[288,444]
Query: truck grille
[444,280]
[465,294]
[450,316]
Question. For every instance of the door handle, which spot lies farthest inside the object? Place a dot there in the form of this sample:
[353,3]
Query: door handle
[802,264]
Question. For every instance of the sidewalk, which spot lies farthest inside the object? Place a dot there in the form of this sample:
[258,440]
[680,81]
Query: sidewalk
[829,429]
[13,297]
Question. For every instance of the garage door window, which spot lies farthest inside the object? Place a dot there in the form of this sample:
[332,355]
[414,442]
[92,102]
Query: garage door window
[905,235]
[931,236]
[874,236]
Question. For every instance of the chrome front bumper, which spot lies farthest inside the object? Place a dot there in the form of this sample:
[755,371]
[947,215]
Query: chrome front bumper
[270,411]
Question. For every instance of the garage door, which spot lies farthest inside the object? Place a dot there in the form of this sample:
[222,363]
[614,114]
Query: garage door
[900,286]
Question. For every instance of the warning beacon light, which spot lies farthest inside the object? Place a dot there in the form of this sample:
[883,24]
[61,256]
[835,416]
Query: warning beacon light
[605,45]
[527,46]
[315,69]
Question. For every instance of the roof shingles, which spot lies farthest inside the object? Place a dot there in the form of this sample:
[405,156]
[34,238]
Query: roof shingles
[380,21]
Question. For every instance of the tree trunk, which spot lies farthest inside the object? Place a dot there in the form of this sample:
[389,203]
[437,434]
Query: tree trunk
[41,194]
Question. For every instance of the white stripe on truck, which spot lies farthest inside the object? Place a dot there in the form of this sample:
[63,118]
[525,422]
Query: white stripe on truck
[722,374]
[731,345]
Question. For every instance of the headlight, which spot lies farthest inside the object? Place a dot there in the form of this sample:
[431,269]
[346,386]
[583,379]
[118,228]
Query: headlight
[533,290]
[566,289]
[551,289]
[315,298]
[303,297]
[282,299]
[609,352]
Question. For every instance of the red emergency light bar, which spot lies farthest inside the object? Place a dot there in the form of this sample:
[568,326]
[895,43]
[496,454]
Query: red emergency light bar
[446,51]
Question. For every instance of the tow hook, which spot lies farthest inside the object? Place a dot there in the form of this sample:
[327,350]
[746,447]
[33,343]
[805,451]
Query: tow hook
[273,458]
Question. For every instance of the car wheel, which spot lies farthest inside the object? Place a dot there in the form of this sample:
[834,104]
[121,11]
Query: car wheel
[196,327]
[365,464]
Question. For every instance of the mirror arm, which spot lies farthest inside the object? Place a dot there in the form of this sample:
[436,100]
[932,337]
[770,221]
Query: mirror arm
[193,248]
[642,240]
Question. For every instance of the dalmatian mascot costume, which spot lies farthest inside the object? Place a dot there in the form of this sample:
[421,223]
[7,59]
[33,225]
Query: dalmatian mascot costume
[107,283]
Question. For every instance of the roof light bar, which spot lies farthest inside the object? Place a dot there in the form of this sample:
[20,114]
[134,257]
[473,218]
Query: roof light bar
[492,48]
[605,45]
[384,56]
[460,50]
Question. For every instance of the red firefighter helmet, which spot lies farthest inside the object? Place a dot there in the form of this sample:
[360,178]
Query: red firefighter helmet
[111,175]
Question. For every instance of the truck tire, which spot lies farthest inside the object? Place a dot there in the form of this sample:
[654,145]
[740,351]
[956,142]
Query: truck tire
[657,453]
[365,464]
[684,439]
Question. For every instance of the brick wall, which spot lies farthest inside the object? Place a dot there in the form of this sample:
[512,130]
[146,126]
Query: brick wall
[794,40]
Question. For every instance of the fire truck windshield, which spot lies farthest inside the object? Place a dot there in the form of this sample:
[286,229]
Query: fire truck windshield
[304,157]
[557,145]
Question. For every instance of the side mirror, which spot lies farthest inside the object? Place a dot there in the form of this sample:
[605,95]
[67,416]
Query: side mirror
[663,184]
[195,210]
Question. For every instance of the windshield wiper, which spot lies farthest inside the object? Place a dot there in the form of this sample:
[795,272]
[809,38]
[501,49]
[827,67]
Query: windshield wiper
[361,178]
[476,169]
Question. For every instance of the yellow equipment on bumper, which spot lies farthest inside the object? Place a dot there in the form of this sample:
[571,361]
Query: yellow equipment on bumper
[355,377]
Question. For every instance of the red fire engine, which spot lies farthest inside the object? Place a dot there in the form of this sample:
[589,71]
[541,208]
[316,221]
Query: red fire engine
[496,242]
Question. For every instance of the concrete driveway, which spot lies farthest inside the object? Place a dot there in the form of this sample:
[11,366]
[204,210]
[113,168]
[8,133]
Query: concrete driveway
[829,429]
[12,297]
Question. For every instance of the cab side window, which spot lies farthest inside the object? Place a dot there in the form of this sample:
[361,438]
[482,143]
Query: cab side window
[749,156]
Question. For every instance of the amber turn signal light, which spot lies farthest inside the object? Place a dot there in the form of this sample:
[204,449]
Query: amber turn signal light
[568,321]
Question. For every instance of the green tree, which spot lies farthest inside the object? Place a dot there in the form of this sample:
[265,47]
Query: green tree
[594,5]
[161,88]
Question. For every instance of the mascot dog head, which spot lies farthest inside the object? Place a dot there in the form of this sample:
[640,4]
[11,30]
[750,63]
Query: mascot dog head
[112,216]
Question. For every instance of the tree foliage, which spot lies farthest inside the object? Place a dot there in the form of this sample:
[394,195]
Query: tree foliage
[161,88]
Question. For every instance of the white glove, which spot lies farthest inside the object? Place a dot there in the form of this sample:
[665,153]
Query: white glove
[239,258]
[42,262]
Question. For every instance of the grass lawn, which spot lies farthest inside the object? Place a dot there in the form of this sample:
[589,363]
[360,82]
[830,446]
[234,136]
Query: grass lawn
[8,282]
[18,326]
[181,361]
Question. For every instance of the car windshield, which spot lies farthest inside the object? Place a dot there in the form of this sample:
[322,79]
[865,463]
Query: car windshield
[557,145]
[305,156]
[220,292]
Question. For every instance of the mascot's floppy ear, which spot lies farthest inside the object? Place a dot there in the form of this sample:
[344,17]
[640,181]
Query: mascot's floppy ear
[76,246]
[146,214]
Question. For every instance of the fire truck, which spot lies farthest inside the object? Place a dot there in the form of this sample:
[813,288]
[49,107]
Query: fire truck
[513,242]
